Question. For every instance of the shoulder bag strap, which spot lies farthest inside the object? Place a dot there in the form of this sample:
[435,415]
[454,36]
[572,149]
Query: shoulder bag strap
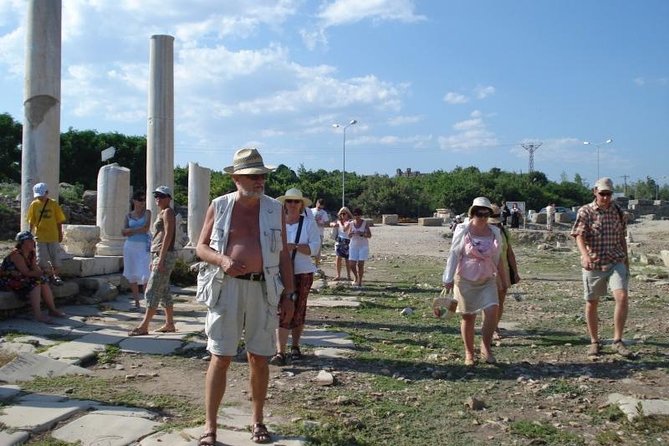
[297,237]
[41,214]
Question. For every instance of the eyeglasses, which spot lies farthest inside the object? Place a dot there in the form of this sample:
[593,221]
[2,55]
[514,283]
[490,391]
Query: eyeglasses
[160,196]
[293,201]
[256,177]
[482,214]
[605,193]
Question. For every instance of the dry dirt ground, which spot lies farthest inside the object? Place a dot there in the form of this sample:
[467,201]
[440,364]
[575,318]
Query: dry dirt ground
[523,390]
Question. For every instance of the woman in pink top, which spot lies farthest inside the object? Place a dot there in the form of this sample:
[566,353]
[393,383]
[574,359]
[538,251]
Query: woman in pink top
[471,271]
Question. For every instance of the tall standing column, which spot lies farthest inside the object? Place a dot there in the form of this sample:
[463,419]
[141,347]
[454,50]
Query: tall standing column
[160,131]
[113,205]
[40,157]
[199,184]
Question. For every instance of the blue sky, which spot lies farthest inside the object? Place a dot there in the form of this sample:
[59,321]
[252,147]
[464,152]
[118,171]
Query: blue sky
[433,84]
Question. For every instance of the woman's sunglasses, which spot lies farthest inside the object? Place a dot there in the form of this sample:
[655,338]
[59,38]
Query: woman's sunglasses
[293,201]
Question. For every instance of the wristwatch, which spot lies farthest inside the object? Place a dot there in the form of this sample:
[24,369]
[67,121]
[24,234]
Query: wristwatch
[292,296]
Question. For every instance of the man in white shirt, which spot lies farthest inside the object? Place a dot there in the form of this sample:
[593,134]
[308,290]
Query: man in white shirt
[322,219]
[550,216]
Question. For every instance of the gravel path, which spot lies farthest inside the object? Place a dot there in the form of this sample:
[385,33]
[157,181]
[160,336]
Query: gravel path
[409,239]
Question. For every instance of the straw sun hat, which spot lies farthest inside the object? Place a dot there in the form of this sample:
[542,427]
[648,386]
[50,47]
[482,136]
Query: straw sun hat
[248,162]
[294,194]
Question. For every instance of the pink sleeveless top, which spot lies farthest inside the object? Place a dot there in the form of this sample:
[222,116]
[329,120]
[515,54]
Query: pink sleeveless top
[476,263]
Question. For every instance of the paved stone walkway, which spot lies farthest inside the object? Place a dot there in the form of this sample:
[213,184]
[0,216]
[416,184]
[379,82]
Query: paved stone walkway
[88,329]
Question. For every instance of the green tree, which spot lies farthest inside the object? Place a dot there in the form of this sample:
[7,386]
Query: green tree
[10,149]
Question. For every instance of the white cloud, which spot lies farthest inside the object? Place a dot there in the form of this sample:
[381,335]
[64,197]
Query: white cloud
[346,12]
[659,81]
[455,98]
[403,120]
[392,141]
[471,134]
[341,12]
[483,92]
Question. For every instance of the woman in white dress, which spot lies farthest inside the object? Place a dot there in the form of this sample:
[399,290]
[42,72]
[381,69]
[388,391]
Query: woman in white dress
[358,250]
[136,255]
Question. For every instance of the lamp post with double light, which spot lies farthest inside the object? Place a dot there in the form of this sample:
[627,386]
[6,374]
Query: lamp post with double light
[343,158]
[598,145]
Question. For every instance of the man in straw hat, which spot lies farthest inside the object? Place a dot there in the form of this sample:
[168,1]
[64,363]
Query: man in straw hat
[244,235]
[599,230]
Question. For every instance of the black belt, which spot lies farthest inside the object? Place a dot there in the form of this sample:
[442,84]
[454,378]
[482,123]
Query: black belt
[254,277]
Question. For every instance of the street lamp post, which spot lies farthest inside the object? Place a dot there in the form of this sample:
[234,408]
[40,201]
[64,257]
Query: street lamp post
[343,158]
[598,145]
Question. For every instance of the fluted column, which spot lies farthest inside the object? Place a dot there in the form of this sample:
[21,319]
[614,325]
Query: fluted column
[160,128]
[199,183]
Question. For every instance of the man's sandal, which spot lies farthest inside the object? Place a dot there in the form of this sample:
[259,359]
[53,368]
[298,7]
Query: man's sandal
[593,350]
[295,353]
[279,359]
[260,434]
[207,439]
[138,332]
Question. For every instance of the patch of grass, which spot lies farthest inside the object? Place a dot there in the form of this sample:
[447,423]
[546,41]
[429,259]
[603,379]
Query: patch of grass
[651,425]
[561,387]
[544,432]
[178,411]
[608,437]
[109,355]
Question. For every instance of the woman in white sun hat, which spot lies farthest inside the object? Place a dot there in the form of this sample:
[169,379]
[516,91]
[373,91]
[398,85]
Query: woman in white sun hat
[304,240]
[471,271]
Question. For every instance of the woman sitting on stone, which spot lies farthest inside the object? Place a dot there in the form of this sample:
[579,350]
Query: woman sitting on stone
[20,273]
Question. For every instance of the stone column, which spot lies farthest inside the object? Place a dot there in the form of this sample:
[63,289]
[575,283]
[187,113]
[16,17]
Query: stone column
[40,157]
[160,131]
[199,183]
[113,205]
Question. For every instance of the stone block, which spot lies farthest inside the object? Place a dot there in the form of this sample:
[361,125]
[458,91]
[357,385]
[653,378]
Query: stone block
[80,240]
[665,257]
[92,266]
[562,217]
[390,219]
[10,301]
[539,218]
[430,221]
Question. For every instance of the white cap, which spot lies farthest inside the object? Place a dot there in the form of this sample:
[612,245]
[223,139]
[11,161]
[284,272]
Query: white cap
[40,190]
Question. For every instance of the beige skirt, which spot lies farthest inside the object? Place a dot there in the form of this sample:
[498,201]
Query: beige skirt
[474,296]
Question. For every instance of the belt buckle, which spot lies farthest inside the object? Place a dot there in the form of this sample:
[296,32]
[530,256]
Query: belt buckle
[255,277]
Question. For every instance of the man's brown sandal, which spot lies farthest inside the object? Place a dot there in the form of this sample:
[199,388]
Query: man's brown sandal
[260,434]
[207,439]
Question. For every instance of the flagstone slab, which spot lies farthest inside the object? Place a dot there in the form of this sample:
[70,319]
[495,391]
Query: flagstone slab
[324,338]
[227,437]
[333,302]
[333,353]
[13,438]
[26,366]
[634,407]
[108,430]
[7,392]
[150,344]
[102,409]
[39,414]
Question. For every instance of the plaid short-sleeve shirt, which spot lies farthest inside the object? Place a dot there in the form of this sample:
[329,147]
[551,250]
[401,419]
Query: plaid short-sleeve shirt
[604,233]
